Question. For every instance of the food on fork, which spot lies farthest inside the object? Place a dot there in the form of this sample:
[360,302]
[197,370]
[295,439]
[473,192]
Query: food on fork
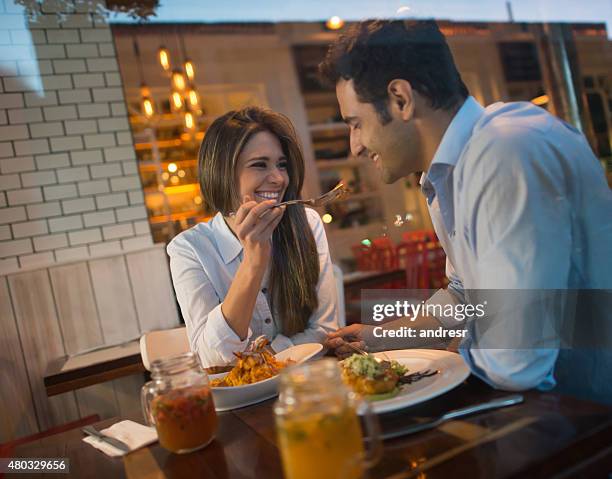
[372,377]
[219,369]
[254,365]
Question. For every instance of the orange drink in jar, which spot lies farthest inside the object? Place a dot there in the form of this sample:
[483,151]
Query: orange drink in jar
[179,403]
[332,441]
[185,418]
[318,427]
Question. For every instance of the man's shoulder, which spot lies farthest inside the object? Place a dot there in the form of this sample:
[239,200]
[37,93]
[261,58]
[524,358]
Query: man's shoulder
[524,130]
[515,121]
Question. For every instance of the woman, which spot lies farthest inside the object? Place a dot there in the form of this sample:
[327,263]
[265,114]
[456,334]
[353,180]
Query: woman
[255,268]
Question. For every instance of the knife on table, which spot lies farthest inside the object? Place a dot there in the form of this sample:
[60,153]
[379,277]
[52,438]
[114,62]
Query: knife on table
[456,413]
[90,431]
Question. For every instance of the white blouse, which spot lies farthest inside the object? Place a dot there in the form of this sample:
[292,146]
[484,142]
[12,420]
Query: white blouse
[203,262]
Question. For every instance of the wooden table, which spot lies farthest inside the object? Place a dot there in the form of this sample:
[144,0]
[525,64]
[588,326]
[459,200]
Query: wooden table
[548,435]
[70,373]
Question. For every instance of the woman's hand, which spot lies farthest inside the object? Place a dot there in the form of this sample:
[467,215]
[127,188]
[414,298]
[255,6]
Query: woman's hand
[254,224]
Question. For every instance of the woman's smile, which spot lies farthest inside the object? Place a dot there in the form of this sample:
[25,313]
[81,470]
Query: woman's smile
[268,195]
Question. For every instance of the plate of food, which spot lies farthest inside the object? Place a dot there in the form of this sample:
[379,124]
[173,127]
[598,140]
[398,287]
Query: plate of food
[254,377]
[393,380]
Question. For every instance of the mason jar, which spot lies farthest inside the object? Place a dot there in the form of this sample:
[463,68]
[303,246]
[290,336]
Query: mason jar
[179,403]
[319,424]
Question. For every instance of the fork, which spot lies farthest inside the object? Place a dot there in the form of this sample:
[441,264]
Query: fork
[356,349]
[360,351]
[336,192]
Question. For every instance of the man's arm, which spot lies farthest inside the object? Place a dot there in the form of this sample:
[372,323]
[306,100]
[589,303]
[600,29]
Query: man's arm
[516,227]
[365,336]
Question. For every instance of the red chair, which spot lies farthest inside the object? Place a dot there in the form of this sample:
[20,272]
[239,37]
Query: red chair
[363,257]
[378,256]
[411,257]
[418,236]
[6,449]
[384,259]
[383,242]
[385,254]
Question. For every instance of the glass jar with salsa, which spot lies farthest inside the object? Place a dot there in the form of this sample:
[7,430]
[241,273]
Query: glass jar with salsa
[318,424]
[178,401]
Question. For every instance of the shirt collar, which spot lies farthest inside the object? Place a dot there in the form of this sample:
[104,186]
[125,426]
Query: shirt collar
[458,133]
[453,141]
[439,180]
[228,244]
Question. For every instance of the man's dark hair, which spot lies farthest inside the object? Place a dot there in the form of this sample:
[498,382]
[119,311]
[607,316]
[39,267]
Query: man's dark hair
[375,52]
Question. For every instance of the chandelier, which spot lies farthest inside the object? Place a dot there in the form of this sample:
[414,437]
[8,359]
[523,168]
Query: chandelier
[183,96]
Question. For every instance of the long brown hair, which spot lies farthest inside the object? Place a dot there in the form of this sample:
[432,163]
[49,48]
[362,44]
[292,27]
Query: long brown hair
[295,261]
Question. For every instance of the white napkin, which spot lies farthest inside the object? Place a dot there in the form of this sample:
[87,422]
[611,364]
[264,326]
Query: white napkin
[132,433]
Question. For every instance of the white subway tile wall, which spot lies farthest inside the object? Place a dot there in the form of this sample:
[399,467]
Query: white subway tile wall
[69,184]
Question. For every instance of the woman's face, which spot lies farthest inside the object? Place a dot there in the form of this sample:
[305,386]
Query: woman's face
[262,169]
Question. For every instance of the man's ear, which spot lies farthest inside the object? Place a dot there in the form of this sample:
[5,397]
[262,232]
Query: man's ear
[401,99]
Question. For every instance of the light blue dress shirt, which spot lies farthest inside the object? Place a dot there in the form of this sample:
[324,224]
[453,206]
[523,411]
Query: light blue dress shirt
[519,202]
[203,262]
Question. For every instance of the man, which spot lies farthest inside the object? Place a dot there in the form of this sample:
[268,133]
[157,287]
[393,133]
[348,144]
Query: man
[516,196]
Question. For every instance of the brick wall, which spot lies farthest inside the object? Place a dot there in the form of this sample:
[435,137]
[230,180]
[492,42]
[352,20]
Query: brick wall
[69,183]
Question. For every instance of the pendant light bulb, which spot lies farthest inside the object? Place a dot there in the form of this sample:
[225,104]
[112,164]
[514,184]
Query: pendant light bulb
[177,100]
[164,58]
[193,97]
[189,70]
[147,107]
[178,80]
[189,121]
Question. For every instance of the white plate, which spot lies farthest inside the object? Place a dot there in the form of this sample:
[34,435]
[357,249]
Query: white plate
[227,398]
[453,371]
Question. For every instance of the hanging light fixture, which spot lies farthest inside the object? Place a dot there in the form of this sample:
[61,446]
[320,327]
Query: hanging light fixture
[189,120]
[147,103]
[178,80]
[187,63]
[189,70]
[192,97]
[176,101]
[147,107]
[164,58]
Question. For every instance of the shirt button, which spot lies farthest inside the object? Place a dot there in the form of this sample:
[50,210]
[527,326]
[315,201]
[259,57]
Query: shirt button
[264,290]
[267,320]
